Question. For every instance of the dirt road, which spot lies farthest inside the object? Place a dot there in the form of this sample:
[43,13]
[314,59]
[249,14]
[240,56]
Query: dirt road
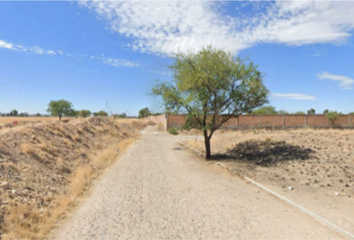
[156,190]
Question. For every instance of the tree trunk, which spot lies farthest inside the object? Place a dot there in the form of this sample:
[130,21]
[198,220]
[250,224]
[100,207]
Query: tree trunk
[59,117]
[207,145]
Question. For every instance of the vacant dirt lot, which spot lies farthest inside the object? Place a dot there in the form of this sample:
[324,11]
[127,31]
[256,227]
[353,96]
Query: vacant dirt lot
[317,164]
[45,167]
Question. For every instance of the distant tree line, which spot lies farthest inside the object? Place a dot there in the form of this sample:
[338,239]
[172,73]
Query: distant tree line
[270,110]
[61,108]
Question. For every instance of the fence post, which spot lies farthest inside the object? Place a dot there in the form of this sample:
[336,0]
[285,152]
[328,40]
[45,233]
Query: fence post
[260,120]
[306,120]
[349,120]
[167,116]
[283,120]
[237,121]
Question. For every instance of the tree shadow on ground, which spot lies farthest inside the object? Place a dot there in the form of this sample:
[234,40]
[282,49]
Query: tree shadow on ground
[265,153]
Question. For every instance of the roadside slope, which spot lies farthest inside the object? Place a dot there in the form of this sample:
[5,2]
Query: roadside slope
[44,167]
[158,191]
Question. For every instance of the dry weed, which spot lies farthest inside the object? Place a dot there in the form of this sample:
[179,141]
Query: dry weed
[31,222]
[27,148]
[80,180]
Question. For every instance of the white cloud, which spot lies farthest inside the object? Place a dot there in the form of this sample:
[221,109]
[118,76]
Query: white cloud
[119,62]
[297,96]
[344,81]
[51,52]
[164,27]
[38,50]
[6,45]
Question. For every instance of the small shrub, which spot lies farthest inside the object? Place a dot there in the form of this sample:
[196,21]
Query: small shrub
[332,117]
[173,131]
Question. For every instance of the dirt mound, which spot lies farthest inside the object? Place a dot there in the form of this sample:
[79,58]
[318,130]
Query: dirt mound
[138,125]
[38,164]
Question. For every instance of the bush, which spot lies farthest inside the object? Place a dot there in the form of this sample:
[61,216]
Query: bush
[172,131]
[332,117]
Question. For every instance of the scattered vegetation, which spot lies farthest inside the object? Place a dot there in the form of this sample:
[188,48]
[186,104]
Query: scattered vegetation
[172,130]
[332,117]
[311,111]
[266,110]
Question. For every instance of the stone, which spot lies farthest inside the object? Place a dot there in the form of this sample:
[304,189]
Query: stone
[5,184]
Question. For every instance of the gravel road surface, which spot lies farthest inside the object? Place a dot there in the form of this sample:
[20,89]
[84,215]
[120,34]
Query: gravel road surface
[156,190]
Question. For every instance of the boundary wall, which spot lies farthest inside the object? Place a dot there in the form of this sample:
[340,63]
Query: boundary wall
[253,121]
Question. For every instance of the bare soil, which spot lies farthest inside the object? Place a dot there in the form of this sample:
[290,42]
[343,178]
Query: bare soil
[317,164]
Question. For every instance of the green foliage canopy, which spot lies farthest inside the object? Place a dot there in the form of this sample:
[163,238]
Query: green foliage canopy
[212,86]
[60,108]
[266,110]
[84,113]
[145,112]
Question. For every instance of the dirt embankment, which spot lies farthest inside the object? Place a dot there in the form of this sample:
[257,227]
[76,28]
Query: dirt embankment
[44,167]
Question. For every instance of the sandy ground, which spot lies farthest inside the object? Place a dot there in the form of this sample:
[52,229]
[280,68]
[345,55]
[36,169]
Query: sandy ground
[317,164]
[156,190]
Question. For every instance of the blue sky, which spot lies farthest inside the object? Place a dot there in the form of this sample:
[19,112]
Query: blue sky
[95,52]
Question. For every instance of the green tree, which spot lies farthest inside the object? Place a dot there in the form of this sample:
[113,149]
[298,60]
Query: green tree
[325,111]
[14,112]
[351,113]
[300,112]
[311,111]
[212,86]
[145,112]
[122,115]
[84,113]
[332,117]
[60,108]
[283,112]
[101,113]
[38,114]
[265,110]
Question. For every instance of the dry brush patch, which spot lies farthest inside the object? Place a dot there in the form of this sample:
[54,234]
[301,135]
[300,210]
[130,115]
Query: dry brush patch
[45,167]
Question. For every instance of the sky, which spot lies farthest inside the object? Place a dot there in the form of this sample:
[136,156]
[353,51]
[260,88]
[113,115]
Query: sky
[106,55]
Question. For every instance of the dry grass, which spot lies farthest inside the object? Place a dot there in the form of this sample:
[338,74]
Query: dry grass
[4,120]
[31,222]
[27,148]
[80,179]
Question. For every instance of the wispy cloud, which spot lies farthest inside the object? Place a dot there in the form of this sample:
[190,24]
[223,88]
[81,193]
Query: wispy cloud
[115,62]
[297,96]
[164,27]
[17,47]
[344,81]
[38,50]
[162,72]
[51,52]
